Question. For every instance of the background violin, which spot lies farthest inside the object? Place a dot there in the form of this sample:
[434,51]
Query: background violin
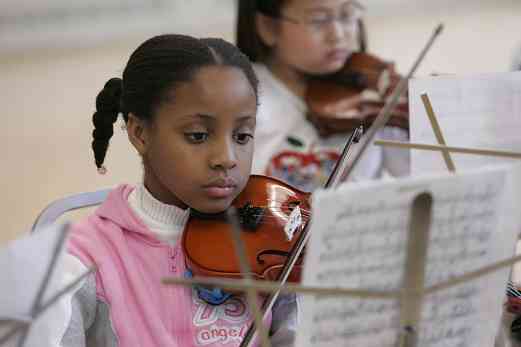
[354,96]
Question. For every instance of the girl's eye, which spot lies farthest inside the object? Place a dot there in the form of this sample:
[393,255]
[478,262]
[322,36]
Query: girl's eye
[243,138]
[197,137]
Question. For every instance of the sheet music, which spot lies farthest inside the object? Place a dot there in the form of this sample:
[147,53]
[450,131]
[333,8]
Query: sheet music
[358,240]
[23,265]
[476,111]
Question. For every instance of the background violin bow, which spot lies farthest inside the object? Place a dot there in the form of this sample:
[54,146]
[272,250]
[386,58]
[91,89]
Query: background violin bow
[338,172]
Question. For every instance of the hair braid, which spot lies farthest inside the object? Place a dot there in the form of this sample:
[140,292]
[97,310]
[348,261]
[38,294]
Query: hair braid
[107,111]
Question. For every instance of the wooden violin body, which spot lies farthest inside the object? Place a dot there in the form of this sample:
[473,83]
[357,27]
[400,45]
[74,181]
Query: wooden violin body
[264,208]
[354,96]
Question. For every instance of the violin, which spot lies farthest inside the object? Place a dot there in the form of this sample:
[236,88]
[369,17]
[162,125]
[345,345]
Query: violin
[264,209]
[353,96]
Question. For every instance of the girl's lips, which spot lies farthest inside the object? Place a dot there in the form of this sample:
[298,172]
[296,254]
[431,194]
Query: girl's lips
[220,188]
[219,192]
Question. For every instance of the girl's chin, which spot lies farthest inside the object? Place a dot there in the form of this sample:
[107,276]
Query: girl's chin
[214,207]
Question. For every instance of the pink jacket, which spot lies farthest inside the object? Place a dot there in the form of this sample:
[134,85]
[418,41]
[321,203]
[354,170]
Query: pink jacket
[131,263]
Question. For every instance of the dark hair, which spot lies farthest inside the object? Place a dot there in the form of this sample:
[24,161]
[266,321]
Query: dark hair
[248,39]
[154,68]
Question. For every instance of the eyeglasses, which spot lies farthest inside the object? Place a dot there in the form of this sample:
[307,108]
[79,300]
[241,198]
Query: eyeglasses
[348,17]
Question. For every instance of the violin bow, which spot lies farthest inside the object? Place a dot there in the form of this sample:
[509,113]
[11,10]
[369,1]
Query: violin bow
[383,117]
[339,169]
[290,262]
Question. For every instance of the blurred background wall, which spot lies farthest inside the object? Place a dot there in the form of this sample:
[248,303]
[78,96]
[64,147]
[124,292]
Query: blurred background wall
[56,55]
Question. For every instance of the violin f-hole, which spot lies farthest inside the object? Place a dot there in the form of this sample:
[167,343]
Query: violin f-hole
[270,252]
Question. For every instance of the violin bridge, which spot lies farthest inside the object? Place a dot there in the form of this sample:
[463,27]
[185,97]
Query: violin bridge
[294,223]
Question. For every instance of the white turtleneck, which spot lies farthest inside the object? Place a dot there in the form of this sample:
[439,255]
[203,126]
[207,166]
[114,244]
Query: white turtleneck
[165,221]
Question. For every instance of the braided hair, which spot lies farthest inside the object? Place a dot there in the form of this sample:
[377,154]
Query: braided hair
[155,68]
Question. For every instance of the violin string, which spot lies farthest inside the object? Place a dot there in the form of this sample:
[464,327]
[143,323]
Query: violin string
[305,216]
[282,204]
[282,201]
[281,209]
[302,211]
[272,220]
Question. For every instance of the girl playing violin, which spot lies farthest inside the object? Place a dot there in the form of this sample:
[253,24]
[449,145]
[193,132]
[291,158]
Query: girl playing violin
[190,111]
[293,42]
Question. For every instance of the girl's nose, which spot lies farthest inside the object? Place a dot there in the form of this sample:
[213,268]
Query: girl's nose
[224,156]
[336,31]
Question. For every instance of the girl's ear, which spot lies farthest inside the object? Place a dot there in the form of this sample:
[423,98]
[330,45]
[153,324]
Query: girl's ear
[137,133]
[266,29]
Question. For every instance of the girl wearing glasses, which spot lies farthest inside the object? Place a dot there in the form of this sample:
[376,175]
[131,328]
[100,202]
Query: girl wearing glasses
[290,41]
